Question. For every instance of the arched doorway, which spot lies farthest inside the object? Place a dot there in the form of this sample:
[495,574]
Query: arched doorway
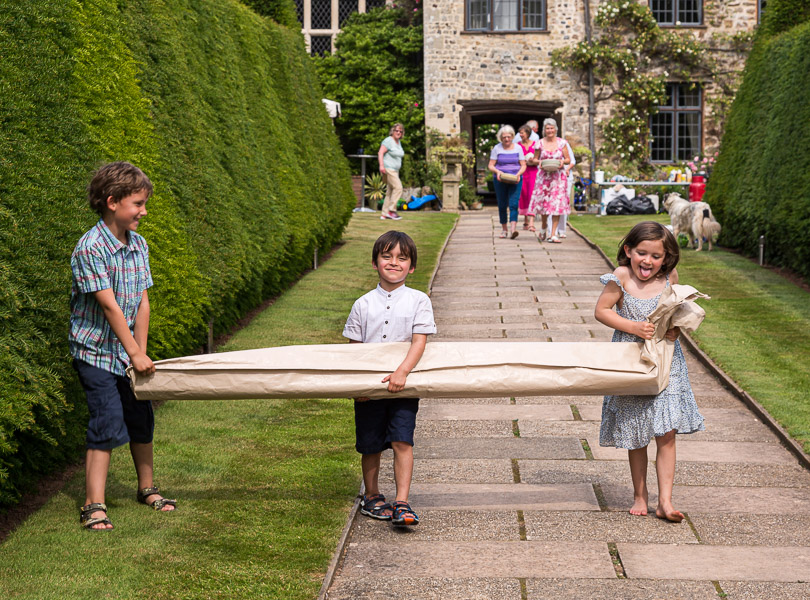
[504,112]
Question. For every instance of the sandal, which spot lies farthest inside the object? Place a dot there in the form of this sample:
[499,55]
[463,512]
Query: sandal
[87,521]
[156,504]
[504,234]
[375,507]
[532,228]
[514,234]
[554,240]
[404,515]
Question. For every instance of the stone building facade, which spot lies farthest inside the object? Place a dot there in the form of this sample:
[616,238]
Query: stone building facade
[489,61]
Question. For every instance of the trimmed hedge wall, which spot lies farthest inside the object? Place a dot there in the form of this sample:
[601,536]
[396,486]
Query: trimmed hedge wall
[216,104]
[761,183]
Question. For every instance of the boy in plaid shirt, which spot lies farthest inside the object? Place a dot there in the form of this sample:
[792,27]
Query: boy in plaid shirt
[109,324]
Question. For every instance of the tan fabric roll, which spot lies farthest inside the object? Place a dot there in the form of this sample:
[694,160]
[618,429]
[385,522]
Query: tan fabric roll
[447,369]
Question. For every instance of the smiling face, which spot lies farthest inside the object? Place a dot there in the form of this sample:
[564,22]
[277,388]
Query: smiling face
[393,268]
[646,259]
[550,131]
[125,214]
[524,135]
[397,133]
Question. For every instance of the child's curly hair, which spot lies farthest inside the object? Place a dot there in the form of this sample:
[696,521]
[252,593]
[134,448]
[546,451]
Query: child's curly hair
[389,240]
[117,179]
[650,231]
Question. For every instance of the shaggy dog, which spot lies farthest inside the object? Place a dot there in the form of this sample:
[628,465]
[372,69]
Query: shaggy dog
[695,219]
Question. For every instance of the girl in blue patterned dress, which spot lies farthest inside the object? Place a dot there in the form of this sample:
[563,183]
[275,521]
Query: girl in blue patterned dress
[647,259]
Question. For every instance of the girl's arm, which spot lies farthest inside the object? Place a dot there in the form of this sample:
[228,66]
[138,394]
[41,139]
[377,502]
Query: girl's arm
[605,314]
[396,380]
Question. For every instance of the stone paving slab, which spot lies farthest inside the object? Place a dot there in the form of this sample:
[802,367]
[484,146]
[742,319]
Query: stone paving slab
[509,448]
[461,429]
[579,401]
[391,586]
[603,527]
[755,590]
[425,402]
[688,450]
[744,530]
[449,525]
[623,589]
[698,562]
[720,500]
[576,429]
[456,470]
[509,412]
[517,496]
[475,559]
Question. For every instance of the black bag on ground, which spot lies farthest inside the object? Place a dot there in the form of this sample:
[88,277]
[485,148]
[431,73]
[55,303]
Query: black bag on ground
[622,205]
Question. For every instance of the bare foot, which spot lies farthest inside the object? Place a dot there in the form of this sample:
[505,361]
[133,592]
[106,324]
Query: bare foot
[669,514]
[639,507]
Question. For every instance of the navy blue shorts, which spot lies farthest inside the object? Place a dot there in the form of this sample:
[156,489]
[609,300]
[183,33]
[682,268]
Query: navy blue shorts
[116,417]
[377,423]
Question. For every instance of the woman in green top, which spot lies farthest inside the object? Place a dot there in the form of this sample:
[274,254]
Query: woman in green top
[390,158]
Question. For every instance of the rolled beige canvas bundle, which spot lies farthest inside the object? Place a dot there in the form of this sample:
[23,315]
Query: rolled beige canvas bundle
[446,369]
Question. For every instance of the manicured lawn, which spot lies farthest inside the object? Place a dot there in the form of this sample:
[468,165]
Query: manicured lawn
[756,322]
[264,487]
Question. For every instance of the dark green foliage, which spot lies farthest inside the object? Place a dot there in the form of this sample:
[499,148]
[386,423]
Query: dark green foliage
[761,183]
[281,11]
[213,102]
[376,75]
[783,15]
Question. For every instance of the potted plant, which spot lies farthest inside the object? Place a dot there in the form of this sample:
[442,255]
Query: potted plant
[375,189]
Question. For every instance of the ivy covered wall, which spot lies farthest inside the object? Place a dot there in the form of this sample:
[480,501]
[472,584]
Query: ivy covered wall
[212,101]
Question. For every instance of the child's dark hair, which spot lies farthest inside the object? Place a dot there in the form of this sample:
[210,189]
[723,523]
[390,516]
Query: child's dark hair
[117,179]
[650,231]
[389,240]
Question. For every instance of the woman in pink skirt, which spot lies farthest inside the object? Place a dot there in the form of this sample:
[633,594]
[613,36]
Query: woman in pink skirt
[550,196]
[529,176]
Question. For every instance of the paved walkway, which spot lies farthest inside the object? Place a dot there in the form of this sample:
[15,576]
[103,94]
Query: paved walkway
[519,502]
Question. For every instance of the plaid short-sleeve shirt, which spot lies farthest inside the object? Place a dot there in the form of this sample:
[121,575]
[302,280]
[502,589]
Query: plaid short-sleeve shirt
[99,262]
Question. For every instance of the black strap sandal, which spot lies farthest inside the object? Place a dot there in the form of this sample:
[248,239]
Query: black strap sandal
[156,504]
[87,521]
[375,507]
[403,515]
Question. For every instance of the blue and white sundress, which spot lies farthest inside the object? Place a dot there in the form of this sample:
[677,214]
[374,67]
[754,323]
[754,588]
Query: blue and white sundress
[633,421]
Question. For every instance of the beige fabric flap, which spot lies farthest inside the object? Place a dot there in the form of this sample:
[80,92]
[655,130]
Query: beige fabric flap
[447,369]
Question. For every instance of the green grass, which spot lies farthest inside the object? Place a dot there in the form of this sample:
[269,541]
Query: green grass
[264,487]
[756,322]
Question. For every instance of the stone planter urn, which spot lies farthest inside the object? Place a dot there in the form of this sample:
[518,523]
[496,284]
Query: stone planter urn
[451,177]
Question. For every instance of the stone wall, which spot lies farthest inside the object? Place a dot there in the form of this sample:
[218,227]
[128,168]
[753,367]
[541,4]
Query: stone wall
[463,65]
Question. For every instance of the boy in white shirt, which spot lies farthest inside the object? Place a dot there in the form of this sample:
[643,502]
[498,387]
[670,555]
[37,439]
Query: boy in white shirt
[390,313]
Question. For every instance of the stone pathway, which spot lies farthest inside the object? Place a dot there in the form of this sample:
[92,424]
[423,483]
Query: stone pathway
[519,502]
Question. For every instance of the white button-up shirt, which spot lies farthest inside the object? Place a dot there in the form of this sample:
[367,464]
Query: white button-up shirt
[381,316]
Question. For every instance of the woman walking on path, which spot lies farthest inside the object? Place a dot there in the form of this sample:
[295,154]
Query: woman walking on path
[529,176]
[550,196]
[390,158]
[507,163]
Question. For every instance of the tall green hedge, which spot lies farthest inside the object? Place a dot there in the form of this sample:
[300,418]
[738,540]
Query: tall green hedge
[761,183]
[221,109]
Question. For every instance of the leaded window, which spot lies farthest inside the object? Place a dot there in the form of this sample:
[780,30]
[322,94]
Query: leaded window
[374,4]
[345,9]
[321,14]
[299,11]
[506,15]
[677,12]
[676,129]
[320,45]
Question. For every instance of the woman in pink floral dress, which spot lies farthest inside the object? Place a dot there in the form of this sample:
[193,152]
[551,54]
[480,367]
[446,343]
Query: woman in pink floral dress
[529,176]
[550,196]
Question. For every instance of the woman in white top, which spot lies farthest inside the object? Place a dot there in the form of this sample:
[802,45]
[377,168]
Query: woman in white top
[390,158]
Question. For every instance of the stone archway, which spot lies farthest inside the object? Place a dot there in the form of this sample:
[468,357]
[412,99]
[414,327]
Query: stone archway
[511,112]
